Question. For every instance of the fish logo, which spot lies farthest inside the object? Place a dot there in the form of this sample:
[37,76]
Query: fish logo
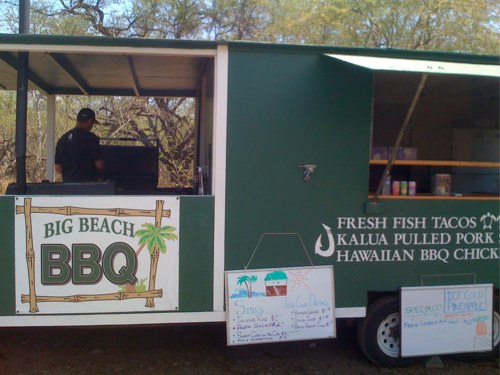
[318,248]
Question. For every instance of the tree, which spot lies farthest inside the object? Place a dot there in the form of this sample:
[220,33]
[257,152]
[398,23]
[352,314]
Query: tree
[37,137]
[305,22]
[169,120]
[236,19]
[81,17]
[423,24]
[154,237]
[7,138]
[248,281]
[460,25]
[167,19]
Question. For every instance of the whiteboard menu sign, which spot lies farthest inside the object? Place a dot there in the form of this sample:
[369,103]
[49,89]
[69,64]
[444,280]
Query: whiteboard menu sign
[282,304]
[446,319]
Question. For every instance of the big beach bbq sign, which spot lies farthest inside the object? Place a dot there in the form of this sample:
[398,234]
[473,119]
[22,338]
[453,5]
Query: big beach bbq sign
[96,254]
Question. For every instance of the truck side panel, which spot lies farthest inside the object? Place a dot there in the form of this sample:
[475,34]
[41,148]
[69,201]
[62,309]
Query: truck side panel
[287,110]
[195,271]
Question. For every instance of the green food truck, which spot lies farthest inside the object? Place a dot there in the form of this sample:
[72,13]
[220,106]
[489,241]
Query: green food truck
[334,183]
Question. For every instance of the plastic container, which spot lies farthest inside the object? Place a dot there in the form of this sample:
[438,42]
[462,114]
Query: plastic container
[441,184]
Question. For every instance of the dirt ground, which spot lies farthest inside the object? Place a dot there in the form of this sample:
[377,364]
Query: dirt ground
[193,349]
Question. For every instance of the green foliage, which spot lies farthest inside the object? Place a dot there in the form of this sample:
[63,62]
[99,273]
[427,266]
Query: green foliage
[246,279]
[154,237]
[141,287]
[236,19]
[460,25]
[7,138]
[174,19]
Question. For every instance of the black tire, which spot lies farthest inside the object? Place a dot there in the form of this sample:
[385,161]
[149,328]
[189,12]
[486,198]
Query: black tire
[484,356]
[379,333]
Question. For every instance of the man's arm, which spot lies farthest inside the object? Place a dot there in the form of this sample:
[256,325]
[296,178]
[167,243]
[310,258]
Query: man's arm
[58,168]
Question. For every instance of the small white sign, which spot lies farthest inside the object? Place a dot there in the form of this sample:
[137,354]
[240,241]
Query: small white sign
[96,254]
[281,304]
[446,319]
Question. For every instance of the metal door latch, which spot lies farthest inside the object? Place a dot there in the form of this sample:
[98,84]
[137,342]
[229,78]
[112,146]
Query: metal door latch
[308,171]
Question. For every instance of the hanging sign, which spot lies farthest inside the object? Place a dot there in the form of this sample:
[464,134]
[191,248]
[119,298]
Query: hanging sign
[281,304]
[446,319]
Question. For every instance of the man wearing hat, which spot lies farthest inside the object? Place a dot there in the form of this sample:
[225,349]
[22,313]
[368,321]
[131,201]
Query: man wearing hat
[78,154]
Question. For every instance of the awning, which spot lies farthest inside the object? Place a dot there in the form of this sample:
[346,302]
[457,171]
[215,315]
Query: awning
[107,70]
[420,66]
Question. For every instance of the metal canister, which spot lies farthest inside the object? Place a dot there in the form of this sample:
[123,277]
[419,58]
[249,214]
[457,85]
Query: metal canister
[404,187]
[412,188]
[395,188]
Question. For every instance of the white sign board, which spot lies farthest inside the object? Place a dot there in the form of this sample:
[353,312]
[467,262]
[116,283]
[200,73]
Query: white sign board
[446,319]
[97,254]
[282,304]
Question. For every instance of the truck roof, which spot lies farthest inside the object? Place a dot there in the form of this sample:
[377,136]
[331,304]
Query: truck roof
[96,65]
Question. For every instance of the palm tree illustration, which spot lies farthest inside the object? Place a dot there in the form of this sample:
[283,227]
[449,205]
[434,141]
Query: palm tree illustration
[248,281]
[154,238]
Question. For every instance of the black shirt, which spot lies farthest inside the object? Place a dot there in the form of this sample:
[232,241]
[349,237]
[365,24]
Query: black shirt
[76,152]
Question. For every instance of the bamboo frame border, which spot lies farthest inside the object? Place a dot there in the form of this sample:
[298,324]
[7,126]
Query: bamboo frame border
[27,209]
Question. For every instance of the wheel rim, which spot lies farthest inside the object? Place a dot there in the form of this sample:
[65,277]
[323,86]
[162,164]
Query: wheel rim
[496,329]
[388,336]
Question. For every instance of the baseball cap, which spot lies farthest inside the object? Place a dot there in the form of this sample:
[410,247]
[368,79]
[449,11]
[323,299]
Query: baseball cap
[85,114]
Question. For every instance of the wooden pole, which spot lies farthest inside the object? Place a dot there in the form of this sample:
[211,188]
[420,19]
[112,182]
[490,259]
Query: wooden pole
[71,210]
[405,125]
[118,296]
[30,255]
[150,302]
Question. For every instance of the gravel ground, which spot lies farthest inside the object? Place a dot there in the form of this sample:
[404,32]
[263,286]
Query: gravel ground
[193,349]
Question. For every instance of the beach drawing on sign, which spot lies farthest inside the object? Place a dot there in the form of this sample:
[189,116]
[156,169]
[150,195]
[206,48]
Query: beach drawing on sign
[274,284]
[279,304]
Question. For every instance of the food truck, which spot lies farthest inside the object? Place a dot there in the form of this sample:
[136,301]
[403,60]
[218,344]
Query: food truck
[338,183]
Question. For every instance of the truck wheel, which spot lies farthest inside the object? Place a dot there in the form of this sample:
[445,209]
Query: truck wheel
[379,333]
[496,326]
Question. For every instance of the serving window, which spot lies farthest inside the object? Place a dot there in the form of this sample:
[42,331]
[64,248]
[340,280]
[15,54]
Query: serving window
[156,106]
[435,135]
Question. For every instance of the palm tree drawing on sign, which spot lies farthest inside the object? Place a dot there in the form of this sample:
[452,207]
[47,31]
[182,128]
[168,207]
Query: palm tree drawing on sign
[248,281]
[154,238]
